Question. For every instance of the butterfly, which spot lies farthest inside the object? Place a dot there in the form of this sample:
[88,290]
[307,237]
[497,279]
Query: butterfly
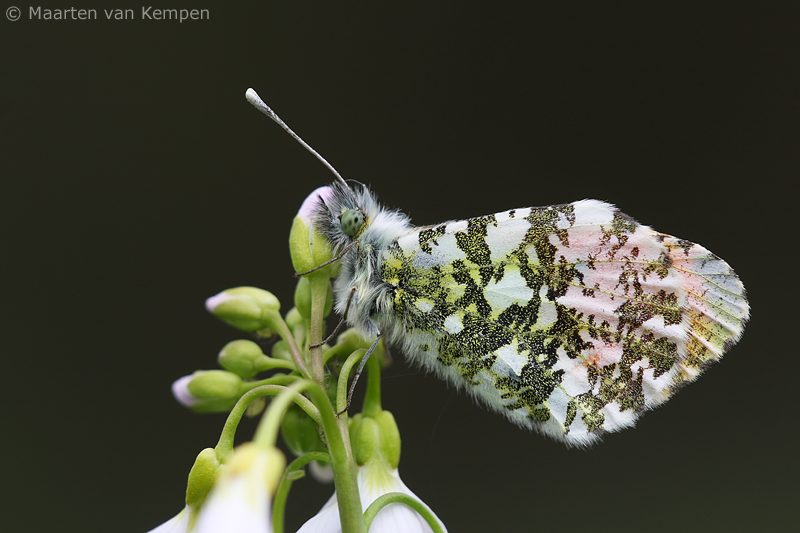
[570,320]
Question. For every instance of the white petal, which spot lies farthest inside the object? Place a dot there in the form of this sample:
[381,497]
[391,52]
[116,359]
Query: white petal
[399,518]
[237,505]
[177,524]
[321,472]
[374,480]
[395,517]
[325,521]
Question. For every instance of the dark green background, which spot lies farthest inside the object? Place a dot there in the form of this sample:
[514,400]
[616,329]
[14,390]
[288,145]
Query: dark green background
[137,182]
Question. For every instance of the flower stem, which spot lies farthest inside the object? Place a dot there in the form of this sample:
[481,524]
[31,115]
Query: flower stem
[224,447]
[372,399]
[399,497]
[279,325]
[336,435]
[289,476]
[319,291]
[342,462]
[277,379]
[267,431]
[344,378]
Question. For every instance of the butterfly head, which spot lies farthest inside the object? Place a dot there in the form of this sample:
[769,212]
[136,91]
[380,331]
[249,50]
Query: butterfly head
[338,213]
[345,215]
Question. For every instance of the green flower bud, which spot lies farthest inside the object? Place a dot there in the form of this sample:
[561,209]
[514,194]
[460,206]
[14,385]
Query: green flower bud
[243,358]
[353,423]
[302,297]
[245,308]
[328,301]
[215,384]
[208,391]
[266,333]
[348,342]
[299,431]
[240,497]
[308,248]
[202,477]
[280,350]
[389,438]
[365,439]
[256,407]
[375,437]
[294,319]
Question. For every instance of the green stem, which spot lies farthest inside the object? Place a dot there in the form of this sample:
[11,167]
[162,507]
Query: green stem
[267,431]
[271,363]
[399,497]
[336,435]
[282,494]
[344,378]
[334,351]
[224,447]
[319,291]
[275,321]
[342,461]
[277,379]
[372,400]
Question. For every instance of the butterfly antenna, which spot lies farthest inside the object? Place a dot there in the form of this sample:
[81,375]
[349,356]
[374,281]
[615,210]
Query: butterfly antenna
[259,104]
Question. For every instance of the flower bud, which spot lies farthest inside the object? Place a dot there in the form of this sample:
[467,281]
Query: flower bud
[294,319]
[241,499]
[302,297]
[243,358]
[349,341]
[256,407]
[389,438]
[308,248]
[299,431]
[202,477]
[245,308]
[375,437]
[365,439]
[208,390]
[280,350]
[328,301]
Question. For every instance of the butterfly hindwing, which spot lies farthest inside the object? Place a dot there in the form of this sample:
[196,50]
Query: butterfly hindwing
[569,319]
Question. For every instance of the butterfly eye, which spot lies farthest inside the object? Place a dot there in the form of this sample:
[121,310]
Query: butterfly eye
[352,222]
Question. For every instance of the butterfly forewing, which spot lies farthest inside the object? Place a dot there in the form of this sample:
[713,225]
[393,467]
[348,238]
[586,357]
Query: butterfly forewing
[569,319]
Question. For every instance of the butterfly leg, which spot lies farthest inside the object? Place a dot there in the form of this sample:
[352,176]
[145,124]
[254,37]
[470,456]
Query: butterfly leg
[326,263]
[358,372]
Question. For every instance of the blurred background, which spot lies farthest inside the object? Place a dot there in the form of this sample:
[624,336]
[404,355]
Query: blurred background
[137,182]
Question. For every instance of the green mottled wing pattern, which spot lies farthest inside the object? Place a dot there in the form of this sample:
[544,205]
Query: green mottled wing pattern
[570,319]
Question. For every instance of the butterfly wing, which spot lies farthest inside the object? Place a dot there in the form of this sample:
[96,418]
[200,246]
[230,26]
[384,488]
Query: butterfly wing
[569,319]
